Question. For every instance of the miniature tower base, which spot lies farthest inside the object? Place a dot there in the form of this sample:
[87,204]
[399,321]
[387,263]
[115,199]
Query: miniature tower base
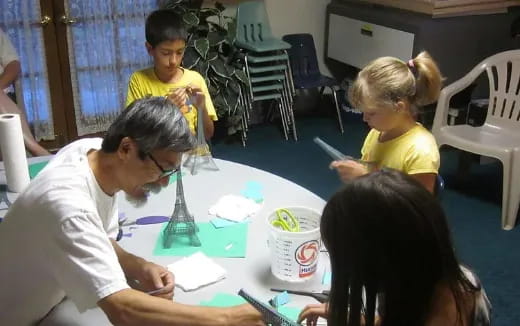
[200,157]
[3,197]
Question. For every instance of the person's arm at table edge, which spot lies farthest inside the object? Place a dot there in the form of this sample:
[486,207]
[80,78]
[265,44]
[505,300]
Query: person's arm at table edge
[132,307]
[11,72]
[128,261]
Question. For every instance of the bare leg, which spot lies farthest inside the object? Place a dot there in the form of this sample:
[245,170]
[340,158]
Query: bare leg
[8,106]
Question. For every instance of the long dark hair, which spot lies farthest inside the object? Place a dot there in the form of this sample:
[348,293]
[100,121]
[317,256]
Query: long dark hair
[388,237]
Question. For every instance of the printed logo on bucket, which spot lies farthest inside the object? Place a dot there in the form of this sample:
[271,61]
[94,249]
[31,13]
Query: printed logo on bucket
[306,256]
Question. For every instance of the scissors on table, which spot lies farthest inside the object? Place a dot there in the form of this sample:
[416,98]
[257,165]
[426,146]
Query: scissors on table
[286,221]
[322,296]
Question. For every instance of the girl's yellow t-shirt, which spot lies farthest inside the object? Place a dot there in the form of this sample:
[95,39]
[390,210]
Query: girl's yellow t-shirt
[413,152]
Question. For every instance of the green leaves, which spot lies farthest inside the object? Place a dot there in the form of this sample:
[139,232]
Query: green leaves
[202,47]
[215,38]
[219,68]
[241,76]
[191,58]
[190,19]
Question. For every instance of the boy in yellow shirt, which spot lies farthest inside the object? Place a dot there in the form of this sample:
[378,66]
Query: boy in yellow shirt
[389,92]
[166,42]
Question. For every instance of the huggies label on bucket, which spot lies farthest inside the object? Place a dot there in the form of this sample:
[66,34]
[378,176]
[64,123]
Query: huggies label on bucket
[307,257]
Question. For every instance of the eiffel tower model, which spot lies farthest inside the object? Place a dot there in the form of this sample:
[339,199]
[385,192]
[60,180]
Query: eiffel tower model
[3,197]
[181,222]
[200,157]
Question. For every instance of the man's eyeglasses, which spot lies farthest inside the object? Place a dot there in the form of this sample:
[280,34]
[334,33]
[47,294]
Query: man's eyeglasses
[164,173]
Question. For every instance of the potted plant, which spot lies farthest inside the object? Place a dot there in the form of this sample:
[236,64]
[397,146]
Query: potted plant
[210,51]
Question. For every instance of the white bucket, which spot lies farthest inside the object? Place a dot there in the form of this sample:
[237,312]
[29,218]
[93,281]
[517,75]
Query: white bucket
[295,255]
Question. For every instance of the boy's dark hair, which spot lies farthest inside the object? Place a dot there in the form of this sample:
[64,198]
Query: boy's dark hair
[164,25]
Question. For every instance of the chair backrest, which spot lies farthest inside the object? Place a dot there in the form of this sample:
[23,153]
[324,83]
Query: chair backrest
[252,22]
[503,71]
[302,54]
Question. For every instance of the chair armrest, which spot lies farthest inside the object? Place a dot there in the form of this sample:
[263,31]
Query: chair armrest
[441,111]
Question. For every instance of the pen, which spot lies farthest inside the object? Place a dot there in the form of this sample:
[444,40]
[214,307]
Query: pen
[155,291]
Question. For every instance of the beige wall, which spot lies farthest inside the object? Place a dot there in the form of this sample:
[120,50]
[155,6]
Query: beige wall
[300,16]
[296,16]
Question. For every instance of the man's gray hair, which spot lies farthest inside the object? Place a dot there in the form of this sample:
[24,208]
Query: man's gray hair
[153,123]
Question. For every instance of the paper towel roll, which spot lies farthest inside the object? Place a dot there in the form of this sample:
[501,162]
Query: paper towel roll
[13,152]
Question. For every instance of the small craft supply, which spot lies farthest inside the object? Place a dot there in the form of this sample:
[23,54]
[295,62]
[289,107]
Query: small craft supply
[334,153]
[36,168]
[234,208]
[253,191]
[196,271]
[155,291]
[322,296]
[286,221]
[123,221]
[269,314]
[219,223]
[339,156]
[327,278]
[4,198]
[154,219]
[279,299]
[13,152]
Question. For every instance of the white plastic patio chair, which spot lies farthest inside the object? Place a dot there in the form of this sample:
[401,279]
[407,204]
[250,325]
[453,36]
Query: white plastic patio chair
[499,136]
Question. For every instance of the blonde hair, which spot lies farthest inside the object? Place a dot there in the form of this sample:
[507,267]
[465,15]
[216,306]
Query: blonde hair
[387,80]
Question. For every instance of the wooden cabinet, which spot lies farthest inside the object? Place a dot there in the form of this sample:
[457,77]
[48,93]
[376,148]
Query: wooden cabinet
[369,41]
[357,33]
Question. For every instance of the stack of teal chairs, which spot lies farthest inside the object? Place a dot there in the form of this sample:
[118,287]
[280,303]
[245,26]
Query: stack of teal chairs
[266,63]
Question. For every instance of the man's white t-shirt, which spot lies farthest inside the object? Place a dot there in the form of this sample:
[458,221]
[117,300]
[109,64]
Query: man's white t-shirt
[55,241]
[7,53]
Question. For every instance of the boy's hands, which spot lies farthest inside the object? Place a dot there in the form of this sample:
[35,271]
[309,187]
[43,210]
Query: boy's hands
[182,97]
[179,96]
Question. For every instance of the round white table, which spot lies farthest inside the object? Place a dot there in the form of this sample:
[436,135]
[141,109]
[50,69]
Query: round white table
[202,191]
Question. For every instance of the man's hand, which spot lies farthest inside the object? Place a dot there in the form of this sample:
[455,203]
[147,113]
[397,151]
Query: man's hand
[149,276]
[348,169]
[312,312]
[155,280]
[244,315]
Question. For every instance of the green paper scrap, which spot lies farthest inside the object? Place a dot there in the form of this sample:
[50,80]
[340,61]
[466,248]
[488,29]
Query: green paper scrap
[229,300]
[224,242]
[327,278]
[224,300]
[290,312]
[173,178]
[35,168]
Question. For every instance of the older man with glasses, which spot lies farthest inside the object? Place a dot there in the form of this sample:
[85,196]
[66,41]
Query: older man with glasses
[64,224]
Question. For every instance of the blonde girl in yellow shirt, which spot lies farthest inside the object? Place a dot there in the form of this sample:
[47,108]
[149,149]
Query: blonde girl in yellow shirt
[389,92]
